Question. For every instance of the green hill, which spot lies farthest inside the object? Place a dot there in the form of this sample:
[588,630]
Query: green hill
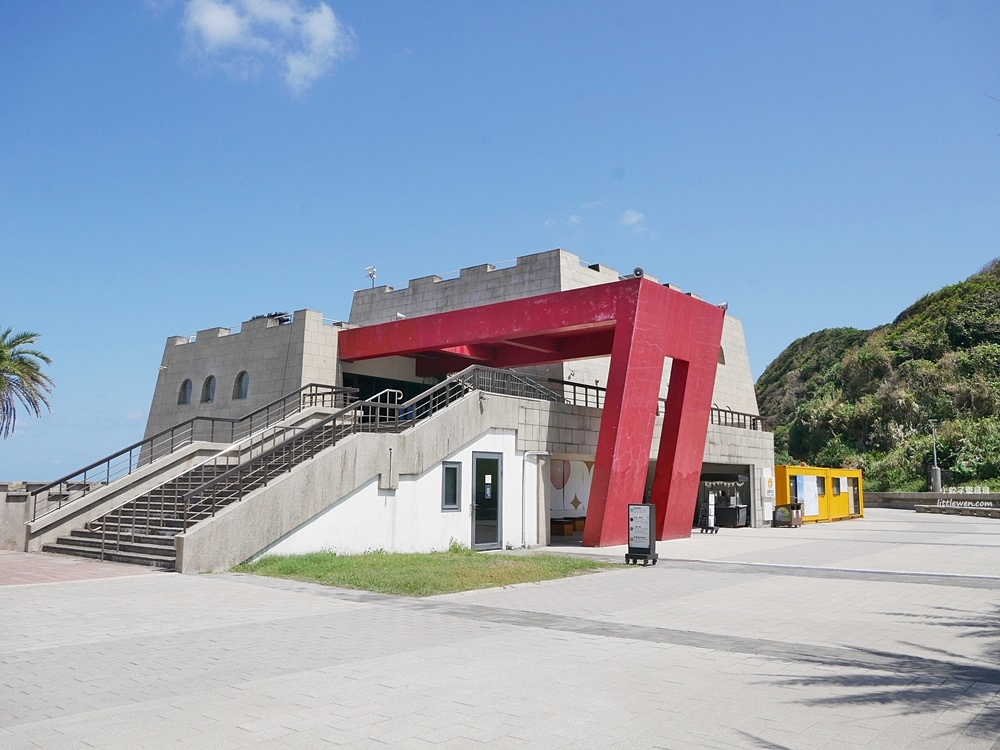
[844,397]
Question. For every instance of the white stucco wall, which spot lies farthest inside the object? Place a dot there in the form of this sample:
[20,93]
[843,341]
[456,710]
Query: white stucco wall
[410,518]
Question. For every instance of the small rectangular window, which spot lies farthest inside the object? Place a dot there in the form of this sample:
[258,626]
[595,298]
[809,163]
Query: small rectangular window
[451,486]
[820,485]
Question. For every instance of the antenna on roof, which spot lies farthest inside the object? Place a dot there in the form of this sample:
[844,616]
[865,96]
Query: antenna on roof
[371,271]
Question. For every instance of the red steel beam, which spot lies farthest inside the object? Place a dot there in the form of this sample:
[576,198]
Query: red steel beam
[574,310]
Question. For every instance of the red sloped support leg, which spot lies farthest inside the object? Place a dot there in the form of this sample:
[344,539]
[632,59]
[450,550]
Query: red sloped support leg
[626,425]
[682,442]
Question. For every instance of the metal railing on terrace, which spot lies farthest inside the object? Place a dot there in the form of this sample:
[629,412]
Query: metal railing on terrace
[103,472]
[730,418]
[581,394]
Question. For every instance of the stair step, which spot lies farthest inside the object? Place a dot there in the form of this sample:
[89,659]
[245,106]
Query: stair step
[143,509]
[126,545]
[111,533]
[154,531]
[144,519]
[153,561]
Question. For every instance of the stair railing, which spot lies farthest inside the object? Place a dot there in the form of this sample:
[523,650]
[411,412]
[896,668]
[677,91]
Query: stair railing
[211,429]
[376,414]
[234,454]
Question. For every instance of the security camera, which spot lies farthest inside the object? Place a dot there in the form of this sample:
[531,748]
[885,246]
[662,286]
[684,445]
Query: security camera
[638,272]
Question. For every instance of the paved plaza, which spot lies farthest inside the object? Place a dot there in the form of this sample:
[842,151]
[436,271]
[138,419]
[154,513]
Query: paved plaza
[881,633]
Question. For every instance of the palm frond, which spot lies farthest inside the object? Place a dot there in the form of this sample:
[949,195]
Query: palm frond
[21,378]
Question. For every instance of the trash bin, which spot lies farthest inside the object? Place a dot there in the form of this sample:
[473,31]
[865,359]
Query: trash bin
[787,515]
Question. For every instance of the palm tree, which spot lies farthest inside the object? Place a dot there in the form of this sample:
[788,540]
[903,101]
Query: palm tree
[21,376]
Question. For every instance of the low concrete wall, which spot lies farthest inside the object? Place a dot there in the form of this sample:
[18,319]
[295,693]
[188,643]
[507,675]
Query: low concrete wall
[15,510]
[909,500]
[951,510]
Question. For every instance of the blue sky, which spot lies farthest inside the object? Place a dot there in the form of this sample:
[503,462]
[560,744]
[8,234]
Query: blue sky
[169,166]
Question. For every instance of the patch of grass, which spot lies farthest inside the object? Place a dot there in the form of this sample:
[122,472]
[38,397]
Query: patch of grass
[458,569]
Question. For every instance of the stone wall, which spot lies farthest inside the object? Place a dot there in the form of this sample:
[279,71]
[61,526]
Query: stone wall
[279,359]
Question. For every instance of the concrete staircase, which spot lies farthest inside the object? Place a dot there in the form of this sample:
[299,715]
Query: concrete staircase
[142,531]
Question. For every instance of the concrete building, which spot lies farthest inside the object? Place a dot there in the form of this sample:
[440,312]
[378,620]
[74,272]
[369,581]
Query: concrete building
[430,462]
[279,354]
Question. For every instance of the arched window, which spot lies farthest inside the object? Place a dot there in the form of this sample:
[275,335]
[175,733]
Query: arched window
[208,390]
[184,395]
[242,385]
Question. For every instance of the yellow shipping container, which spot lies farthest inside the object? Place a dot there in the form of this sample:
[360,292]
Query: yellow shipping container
[825,494]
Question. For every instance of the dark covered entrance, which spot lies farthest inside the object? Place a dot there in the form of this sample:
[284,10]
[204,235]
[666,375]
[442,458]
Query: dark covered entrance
[733,494]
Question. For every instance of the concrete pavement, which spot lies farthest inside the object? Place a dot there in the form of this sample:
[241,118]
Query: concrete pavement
[880,633]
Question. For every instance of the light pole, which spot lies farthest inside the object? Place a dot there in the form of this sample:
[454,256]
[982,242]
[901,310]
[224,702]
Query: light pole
[935,471]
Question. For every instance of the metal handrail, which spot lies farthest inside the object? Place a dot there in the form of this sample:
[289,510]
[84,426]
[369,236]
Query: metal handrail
[593,395]
[730,418]
[247,447]
[125,461]
[246,475]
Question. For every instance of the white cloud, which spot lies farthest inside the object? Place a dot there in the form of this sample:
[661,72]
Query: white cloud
[245,36]
[570,221]
[632,218]
[574,219]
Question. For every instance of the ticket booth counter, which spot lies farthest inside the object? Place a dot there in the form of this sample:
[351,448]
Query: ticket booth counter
[825,494]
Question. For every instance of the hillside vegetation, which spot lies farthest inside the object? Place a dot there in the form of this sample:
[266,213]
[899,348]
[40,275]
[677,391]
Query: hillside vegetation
[862,399]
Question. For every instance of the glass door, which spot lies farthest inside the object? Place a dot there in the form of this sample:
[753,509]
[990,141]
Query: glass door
[486,500]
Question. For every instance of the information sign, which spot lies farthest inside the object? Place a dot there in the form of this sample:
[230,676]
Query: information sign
[767,480]
[641,534]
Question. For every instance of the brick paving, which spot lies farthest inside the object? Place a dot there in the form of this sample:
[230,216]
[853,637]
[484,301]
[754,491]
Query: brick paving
[877,633]
[18,568]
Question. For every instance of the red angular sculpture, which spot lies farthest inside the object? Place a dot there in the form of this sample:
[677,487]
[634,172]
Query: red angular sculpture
[639,323]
